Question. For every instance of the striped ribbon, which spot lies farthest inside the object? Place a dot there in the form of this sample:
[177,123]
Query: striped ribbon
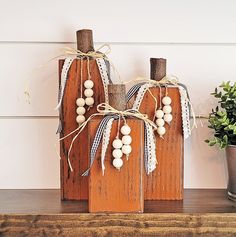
[163,82]
[98,136]
[109,112]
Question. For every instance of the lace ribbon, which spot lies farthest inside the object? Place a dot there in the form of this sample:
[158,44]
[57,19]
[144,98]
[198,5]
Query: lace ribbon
[141,88]
[109,112]
[149,149]
[105,142]
[104,128]
[104,76]
[64,78]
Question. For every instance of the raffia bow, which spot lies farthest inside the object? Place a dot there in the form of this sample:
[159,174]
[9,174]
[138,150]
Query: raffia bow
[100,52]
[68,51]
[167,80]
[105,109]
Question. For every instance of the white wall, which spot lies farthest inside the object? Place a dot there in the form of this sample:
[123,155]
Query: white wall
[197,37]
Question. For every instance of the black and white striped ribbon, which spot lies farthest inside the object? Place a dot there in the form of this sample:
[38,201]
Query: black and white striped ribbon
[98,137]
[133,90]
[104,69]
[97,140]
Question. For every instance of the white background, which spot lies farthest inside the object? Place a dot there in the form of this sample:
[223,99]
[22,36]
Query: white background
[198,38]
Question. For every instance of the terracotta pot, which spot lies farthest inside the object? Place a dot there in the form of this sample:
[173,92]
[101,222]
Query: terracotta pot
[231,163]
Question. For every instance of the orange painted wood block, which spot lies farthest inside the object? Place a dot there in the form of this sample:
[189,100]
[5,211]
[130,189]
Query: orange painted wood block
[166,182]
[73,185]
[118,191]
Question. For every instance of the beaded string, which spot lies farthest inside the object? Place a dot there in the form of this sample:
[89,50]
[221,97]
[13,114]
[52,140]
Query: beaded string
[166,90]
[103,109]
[89,77]
[88,69]
[118,128]
[160,95]
[81,78]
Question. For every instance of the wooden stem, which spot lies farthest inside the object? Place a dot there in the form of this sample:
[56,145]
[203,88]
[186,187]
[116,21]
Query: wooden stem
[116,96]
[85,40]
[158,68]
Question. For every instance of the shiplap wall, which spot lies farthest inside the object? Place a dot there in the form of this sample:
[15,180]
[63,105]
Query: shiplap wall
[198,39]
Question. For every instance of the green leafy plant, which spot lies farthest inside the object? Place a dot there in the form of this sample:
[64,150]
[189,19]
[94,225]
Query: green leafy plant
[222,119]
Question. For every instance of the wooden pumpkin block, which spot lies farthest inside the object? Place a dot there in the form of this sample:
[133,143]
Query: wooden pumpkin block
[166,182]
[73,185]
[117,191]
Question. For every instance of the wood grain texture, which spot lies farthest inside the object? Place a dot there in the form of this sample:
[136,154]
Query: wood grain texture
[73,185]
[158,68]
[41,213]
[118,191]
[116,95]
[176,225]
[166,182]
[85,40]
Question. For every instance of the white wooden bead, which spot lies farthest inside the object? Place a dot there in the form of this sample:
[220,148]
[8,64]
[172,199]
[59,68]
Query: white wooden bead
[117,153]
[80,102]
[117,143]
[168,118]
[126,149]
[161,130]
[89,101]
[167,109]
[160,122]
[88,92]
[80,110]
[159,113]
[127,139]
[117,163]
[88,84]
[80,119]
[125,130]
[166,100]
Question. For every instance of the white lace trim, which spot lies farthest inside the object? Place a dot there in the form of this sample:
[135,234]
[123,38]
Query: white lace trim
[139,97]
[104,76]
[151,149]
[64,72]
[185,112]
[105,142]
[186,126]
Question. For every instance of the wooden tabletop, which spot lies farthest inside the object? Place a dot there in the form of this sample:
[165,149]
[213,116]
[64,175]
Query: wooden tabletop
[41,213]
[48,202]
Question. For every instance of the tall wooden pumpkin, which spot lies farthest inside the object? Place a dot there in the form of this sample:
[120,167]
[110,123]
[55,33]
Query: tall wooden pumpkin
[118,190]
[73,185]
[166,181]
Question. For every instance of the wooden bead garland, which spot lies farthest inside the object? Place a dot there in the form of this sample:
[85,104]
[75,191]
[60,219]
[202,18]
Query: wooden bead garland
[121,146]
[126,140]
[80,102]
[167,109]
[163,114]
[88,93]
[117,143]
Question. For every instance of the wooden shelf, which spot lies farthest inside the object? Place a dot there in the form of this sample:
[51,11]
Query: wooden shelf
[41,213]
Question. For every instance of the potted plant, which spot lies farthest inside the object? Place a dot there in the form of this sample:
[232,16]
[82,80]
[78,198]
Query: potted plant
[222,120]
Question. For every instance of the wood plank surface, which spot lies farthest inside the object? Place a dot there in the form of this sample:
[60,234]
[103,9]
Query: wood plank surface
[74,186]
[41,213]
[22,201]
[171,225]
[117,191]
